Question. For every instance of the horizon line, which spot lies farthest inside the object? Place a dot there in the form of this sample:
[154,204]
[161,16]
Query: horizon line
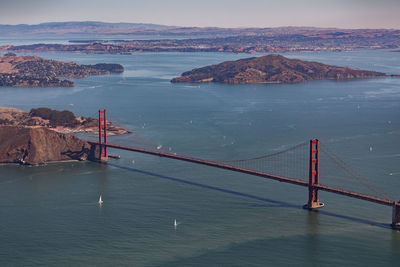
[181,26]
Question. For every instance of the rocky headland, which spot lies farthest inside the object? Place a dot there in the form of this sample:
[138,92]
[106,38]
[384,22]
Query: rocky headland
[44,135]
[272,69]
[60,121]
[33,146]
[33,71]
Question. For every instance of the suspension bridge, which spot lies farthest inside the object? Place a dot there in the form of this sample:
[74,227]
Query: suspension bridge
[264,167]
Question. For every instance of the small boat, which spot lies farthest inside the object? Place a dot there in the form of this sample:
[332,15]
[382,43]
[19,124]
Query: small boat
[100,200]
[175,224]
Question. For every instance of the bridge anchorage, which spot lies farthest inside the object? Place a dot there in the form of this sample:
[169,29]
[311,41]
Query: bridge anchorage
[396,216]
[243,166]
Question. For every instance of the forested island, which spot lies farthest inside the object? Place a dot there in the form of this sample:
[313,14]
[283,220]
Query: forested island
[33,71]
[272,69]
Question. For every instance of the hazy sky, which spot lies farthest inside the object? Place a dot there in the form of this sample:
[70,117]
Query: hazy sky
[221,13]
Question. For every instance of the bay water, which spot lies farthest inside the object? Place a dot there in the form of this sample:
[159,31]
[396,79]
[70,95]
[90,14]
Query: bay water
[49,215]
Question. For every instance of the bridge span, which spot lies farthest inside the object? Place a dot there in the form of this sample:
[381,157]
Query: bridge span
[313,184]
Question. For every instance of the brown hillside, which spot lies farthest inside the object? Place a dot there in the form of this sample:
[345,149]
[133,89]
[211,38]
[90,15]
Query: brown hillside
[40,145]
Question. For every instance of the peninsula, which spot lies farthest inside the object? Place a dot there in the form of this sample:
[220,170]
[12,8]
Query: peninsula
[60,121]
[44,135]
[271,69]
[33,71]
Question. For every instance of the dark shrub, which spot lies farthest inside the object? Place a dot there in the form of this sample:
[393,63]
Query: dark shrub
[56,118]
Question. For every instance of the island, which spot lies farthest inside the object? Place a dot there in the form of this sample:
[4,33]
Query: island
[271,69]
[34,71]
[60,121]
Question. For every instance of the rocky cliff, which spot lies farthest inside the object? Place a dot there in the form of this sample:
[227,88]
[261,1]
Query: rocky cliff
[28,145]
[272,69]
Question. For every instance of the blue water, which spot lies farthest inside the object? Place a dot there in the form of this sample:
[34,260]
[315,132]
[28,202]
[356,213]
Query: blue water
[49,214]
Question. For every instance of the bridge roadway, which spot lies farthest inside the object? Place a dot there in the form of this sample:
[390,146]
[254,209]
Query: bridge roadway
[335,190]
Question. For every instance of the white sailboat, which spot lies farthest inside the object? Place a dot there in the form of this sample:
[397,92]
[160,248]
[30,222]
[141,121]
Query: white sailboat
[100,200]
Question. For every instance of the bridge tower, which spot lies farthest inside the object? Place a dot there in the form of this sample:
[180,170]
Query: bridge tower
[313,200]
[103,135]
[396,216]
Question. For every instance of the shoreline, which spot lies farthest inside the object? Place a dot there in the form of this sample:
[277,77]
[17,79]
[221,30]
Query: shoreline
[43,164]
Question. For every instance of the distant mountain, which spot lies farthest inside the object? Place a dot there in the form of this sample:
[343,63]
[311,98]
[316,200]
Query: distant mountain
[272,69]
[74,28]
[97,28]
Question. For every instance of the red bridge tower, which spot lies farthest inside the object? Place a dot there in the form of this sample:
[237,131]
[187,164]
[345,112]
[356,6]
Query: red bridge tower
[313,200]
[103,135]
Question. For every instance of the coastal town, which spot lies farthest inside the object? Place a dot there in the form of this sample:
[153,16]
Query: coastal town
[267,40]
[34,71]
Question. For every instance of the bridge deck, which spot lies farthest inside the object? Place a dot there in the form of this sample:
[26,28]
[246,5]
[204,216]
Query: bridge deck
[381,201]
